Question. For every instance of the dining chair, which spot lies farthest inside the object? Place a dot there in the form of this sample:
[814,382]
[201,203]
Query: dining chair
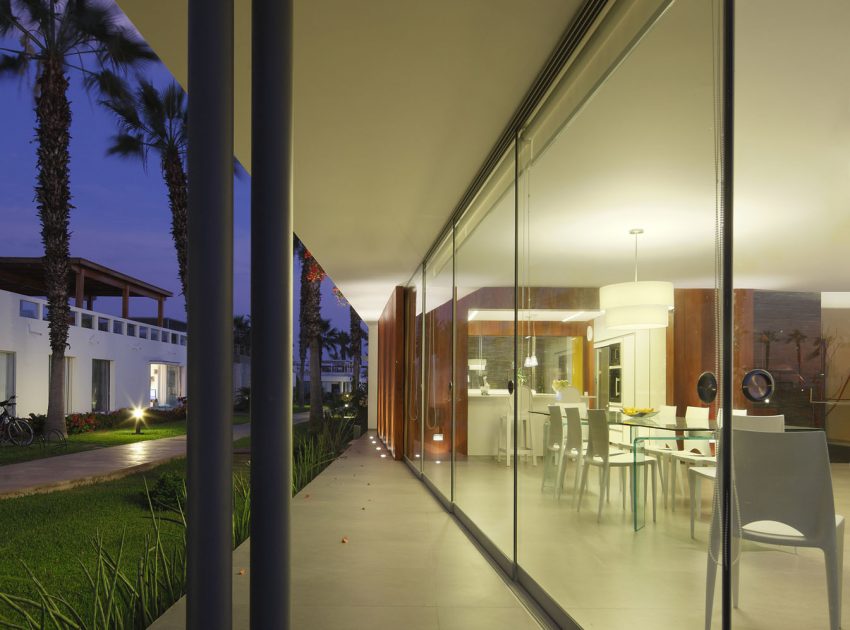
[783,490]
[506,428]
[553,447]
[694,452]
[743,422]
[599,455]
[663,450]
[573,452]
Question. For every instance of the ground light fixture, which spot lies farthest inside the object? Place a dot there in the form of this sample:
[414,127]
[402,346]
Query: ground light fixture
[636,305]
[139,417]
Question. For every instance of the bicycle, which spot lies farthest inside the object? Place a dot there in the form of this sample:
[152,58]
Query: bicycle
[14,430]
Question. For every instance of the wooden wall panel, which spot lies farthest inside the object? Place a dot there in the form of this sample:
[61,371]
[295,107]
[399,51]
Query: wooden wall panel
[390,374]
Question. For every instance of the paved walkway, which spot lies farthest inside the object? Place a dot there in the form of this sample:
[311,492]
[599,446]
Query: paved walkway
[406,562]
[66,471]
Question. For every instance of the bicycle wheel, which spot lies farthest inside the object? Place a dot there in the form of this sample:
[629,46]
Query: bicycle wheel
[20,432]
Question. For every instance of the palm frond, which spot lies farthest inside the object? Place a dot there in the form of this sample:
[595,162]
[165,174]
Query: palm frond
[13,64]
[94,22]
[128,146]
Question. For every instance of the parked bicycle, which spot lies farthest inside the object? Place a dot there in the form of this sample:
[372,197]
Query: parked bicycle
[14,430]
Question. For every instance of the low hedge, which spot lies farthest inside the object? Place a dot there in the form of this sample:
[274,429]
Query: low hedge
[96,421]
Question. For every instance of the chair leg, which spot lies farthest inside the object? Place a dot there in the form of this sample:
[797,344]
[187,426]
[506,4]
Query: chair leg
[711,574]
[692,482]
[654,471]
[674,465]
[582,485]
[623,485]
[834,559]
[579,462]
[605,473]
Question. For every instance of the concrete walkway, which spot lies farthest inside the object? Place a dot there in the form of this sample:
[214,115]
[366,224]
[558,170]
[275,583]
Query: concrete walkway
[406,563]
[66,471]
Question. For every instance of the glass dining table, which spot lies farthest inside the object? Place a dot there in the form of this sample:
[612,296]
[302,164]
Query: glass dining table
[642,433]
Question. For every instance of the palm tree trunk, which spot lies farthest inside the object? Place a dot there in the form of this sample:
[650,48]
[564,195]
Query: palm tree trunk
[355,333]
[316,411]
[178,199]
[53,197]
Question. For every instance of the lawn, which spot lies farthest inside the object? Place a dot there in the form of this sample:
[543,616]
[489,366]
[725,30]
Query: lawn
[52,532]
[124,434]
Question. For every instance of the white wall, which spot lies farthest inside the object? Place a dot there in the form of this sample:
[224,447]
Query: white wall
[130,356]
[373,375]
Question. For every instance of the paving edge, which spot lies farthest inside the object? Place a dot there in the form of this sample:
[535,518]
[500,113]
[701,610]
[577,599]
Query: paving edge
[90,480]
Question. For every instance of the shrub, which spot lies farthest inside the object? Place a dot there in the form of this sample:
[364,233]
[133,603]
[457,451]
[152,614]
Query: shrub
[168,493]
[242,402]
[37,422]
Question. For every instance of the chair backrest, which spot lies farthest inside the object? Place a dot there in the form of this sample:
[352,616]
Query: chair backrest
[784,477]
[581,407]
[763,424]
[573,430]
[697,416]
[570,394]
[666,414]
[555,434]
[598,436]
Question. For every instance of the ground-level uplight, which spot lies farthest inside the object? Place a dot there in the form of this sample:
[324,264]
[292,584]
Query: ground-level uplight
[138,416]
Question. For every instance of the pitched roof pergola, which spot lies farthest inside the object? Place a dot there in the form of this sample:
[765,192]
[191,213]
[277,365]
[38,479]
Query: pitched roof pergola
[87,280]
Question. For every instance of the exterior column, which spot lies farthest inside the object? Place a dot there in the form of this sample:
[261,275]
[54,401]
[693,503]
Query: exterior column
[160,311]
[210,313]
[271,313]
[125,303]
[372,398]
[80,287]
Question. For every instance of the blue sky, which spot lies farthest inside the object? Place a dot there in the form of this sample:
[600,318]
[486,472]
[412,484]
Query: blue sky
[121,217]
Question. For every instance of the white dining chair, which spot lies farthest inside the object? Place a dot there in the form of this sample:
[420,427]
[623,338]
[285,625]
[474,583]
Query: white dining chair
[783,491]
[599,455]
[553,448]
[663,450]
[694,452]
[696,474]
[573,451]
[524,434]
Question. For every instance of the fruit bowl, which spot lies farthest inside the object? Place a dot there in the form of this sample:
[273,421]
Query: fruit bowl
[640,412]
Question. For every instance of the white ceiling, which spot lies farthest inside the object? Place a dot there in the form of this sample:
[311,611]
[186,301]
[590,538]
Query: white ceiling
[642,154]
[397,103]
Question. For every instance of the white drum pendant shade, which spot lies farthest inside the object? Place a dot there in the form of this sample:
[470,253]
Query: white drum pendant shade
[636,305]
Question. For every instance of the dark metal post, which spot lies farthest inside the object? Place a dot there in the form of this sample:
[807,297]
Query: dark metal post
[210,309]
[726,200]
[271,312]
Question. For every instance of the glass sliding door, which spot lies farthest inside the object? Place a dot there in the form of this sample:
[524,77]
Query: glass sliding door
[484,358]
[791,315]
[100,384]
[617,320]
[413,370]
[438,321]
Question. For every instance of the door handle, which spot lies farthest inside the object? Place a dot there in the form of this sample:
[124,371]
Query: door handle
[510,387]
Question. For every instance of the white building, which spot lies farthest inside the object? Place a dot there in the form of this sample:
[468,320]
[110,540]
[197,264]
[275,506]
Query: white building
[111,362]
[336,375]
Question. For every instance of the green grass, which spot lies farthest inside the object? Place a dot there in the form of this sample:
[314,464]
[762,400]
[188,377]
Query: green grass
[117,436]
[52,532]
[244,442]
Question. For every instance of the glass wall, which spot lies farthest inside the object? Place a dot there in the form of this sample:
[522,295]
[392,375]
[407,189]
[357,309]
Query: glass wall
[413,370]
[439,333]
[484,358]
[617,320]
[792,315]
[565,334]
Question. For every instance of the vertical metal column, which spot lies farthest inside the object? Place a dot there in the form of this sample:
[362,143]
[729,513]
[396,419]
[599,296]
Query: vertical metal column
[726,200]
[271,312]
[210,310]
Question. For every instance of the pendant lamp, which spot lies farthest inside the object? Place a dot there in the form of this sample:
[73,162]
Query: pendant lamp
[636,305]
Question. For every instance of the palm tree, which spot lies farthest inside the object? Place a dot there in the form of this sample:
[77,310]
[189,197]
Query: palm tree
[58,36]
[242,335]
[310,322]
[767,337]
[797,338]
[355,335]
[155,120]
[299,249]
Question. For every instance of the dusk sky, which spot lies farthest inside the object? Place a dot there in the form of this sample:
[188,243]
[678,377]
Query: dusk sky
[121,217]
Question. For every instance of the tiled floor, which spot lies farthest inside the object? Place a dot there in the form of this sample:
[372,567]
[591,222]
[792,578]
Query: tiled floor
[607,576]
[65,471]
[406,564]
